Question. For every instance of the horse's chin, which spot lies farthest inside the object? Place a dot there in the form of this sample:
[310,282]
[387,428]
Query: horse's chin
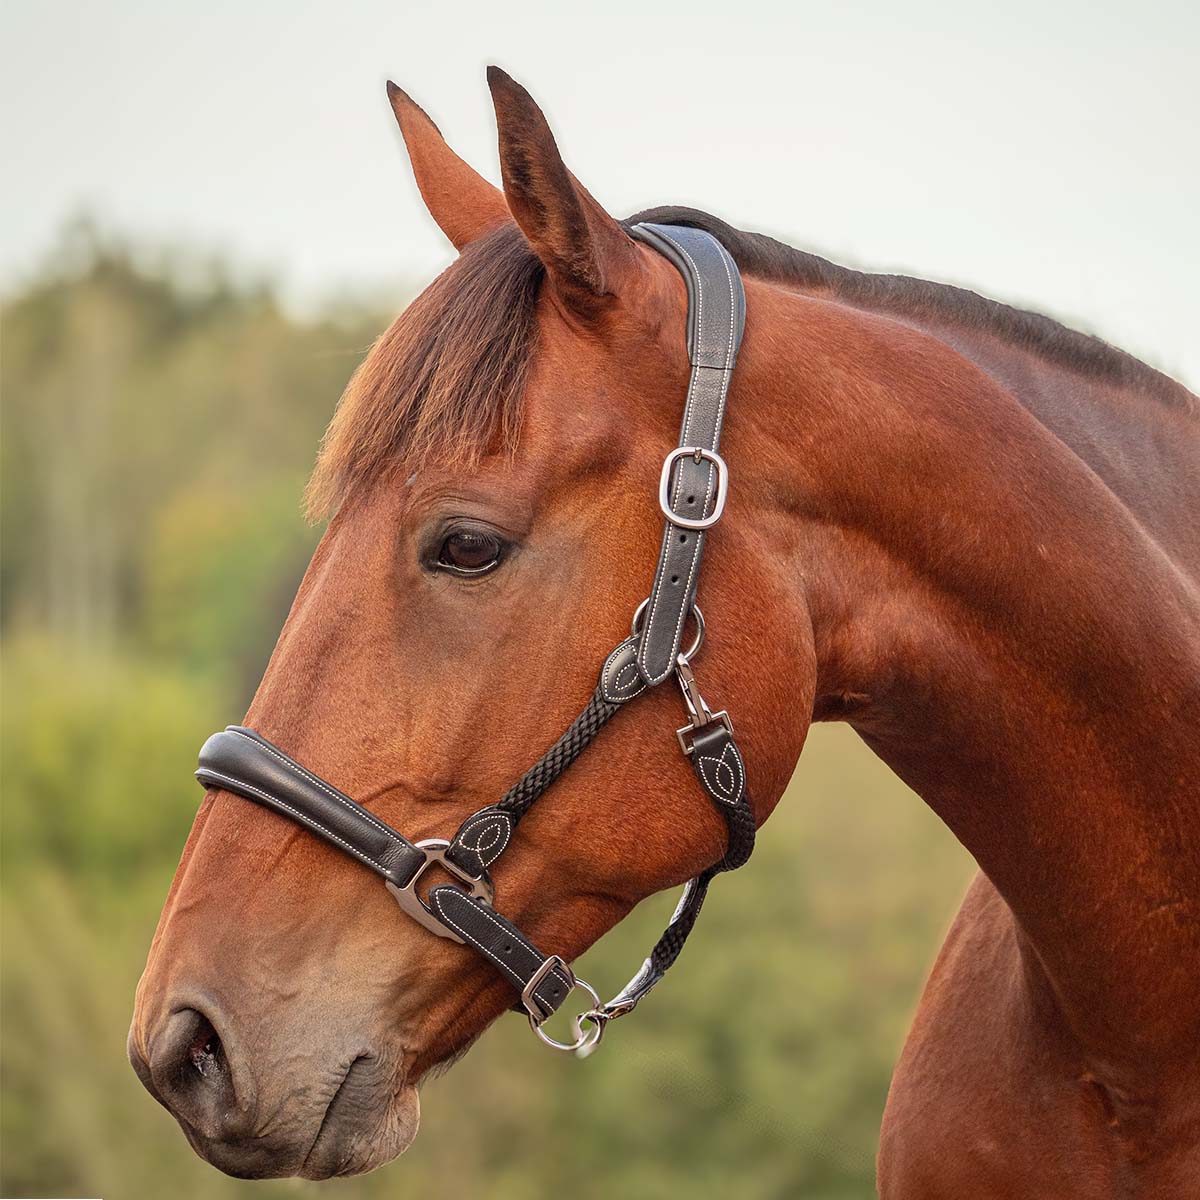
[351,1141]
[354,1136]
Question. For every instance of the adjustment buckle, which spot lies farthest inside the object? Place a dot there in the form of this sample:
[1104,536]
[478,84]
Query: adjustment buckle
[434,850]
[584,1039]
[699,712]
[699,454]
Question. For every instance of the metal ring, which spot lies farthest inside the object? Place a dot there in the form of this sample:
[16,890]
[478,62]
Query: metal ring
[585,1039]
[635,628]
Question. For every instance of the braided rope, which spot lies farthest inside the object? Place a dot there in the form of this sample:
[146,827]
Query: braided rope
[578,736]
[740,823]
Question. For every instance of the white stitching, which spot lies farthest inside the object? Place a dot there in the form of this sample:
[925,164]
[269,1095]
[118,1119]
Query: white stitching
[732,307]
[716,780]
[710,480]
[612,686]
[491,954]
[494,819]
[303,818]
[699,289]
[305,773]
[738,776]
[689,411]
[621,686]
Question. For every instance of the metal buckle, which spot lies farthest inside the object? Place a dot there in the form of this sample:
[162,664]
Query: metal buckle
[699,454]
[434,850]
[635,628]
[701,715]
[585,1039]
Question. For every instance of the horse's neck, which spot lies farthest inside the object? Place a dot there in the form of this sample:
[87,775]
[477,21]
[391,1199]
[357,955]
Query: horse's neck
[1138,430]
[1000,628]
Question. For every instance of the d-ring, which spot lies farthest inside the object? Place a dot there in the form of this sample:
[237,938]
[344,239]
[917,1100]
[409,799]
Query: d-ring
[635,628]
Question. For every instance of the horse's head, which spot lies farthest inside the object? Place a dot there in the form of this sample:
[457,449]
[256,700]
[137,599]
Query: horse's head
[492,468]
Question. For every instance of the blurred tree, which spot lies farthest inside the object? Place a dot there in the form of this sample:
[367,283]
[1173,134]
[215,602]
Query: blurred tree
[125,386]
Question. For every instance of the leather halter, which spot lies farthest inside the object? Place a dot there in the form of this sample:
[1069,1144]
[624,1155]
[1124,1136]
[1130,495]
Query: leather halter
[692,496]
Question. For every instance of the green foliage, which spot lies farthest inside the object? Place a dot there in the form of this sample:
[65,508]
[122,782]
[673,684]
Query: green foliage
[127,390]
[165,421]
[93,746]
[241,554]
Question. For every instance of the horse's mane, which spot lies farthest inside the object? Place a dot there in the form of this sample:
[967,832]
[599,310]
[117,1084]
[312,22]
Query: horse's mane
[923,300]
[445,382]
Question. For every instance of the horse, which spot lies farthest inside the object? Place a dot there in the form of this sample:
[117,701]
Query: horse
[966,530]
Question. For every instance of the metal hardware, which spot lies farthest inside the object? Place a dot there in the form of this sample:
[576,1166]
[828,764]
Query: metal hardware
[698,454]
[701,715]
[600,1016]
[585,1039]
[635,628]
[434,850]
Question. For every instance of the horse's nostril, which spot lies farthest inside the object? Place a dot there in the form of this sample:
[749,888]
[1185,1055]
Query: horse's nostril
[192,1075]
[206,1053]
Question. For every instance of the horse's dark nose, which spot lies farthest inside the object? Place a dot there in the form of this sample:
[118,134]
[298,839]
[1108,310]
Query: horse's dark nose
[189,1072]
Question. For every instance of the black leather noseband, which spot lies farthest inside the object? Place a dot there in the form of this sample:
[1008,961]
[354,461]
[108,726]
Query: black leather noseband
[692,496]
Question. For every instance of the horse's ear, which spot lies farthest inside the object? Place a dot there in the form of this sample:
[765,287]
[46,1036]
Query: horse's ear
[459,199]
[587,254]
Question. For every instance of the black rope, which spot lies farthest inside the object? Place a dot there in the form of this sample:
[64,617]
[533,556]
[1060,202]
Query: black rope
[578,736]
[666,949]
[739,820]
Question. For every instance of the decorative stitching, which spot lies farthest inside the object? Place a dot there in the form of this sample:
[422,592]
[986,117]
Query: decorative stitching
[627,667]
[305,773]
[490,818]
[303,818]
[724,254]
[724,794]
[612,687]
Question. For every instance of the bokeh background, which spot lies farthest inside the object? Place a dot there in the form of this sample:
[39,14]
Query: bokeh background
[207,217]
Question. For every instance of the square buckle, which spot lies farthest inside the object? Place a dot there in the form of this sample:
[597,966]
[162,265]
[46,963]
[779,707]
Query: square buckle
[700,454]
[687,744]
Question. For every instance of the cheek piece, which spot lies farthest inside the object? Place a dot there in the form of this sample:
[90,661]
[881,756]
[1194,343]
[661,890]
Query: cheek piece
[692,494]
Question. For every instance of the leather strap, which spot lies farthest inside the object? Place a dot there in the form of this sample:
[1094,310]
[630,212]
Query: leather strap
[716,318]
[501,943]
[239,760]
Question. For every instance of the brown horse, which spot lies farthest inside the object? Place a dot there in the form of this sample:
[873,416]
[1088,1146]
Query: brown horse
[966,530]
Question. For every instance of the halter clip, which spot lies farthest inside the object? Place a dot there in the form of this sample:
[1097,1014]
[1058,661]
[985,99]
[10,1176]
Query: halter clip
[699,712]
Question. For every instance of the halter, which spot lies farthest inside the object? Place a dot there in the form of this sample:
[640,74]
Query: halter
[692,494]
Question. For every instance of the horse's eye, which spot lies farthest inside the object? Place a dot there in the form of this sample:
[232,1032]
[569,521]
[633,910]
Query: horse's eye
[469,552]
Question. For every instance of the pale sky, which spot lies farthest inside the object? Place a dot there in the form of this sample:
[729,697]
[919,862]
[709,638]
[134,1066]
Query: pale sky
[1043,153]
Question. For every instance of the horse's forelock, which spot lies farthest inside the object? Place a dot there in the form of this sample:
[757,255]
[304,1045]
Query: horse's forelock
[445,383]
